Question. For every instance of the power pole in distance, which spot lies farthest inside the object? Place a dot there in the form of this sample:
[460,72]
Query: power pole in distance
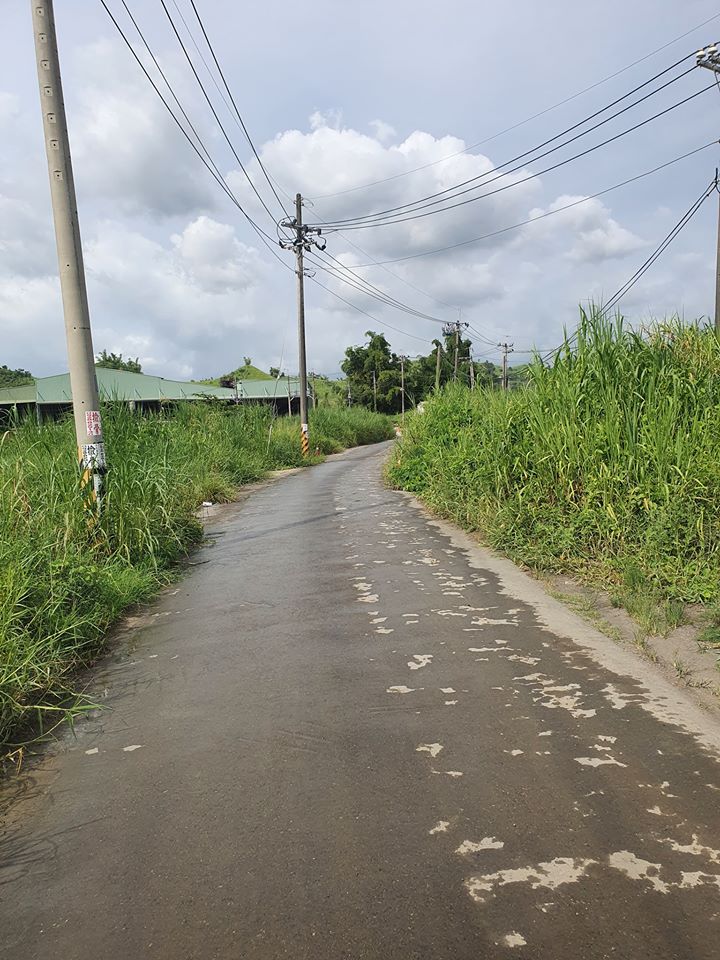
[374,392]
[454,328]
[472,372]
[709,57]
[437,367]
[78,335]
[402,385]
[302,241]
[506,349]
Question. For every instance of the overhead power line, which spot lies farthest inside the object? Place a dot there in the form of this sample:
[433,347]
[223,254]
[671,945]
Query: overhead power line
[679,226]
[214,111]
[541,216]
[645,266]
[515,126]
[235,106]
[447,191]
[346,275]
[414,215]
[354,306]
[200,150]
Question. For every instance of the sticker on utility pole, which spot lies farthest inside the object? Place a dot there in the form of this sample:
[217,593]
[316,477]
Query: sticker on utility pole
[94,456]
[92,423]
[304,427]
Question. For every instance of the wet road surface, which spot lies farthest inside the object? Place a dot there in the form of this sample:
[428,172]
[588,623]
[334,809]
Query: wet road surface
[347,733]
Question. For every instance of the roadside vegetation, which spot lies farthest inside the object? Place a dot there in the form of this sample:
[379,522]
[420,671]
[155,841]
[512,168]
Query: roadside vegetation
[606,465]
[63,584]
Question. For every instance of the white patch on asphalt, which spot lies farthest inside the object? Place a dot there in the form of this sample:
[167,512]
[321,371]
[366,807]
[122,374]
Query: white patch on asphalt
[400,688]
[489,622]
[487,843]
[133,746]
[550,875]
[92,751]
[514,939]
[420,660]
[695,849]
[432,748]
[618,700]
[599,761]
[440,827]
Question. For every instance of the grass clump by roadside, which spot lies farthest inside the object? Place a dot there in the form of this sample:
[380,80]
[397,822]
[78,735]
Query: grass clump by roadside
[607,464]
[62,585]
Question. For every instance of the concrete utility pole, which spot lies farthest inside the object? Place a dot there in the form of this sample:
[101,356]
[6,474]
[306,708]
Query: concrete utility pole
[374,392]
[304,432]
[81,357]
[402,385]
[472,373]
[709,57]
[454,328]
[457,343]
[437,367]
[506,349]
[301,242]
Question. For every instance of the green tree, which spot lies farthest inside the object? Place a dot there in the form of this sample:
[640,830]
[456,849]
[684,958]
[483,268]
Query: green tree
[116,361]
[14,377]
[486,373]
[374,357]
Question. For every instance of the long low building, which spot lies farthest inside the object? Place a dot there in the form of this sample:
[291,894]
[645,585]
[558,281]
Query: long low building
[49,397]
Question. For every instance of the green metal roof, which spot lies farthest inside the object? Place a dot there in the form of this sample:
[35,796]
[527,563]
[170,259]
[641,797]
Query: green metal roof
[268,389]
[24,394]
[123,385]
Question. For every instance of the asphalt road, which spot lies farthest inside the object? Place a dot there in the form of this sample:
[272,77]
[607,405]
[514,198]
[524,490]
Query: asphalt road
[348,733]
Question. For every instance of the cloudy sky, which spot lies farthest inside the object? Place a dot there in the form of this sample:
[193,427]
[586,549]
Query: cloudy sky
[337,96]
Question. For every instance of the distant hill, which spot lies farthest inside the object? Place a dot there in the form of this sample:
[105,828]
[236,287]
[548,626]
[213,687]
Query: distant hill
[246,372]
[14,377]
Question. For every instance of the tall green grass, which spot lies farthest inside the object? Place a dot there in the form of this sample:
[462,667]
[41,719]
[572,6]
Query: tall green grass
[62,584]
[607,462]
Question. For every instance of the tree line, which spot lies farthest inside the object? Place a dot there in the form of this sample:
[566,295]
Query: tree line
[374,375]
